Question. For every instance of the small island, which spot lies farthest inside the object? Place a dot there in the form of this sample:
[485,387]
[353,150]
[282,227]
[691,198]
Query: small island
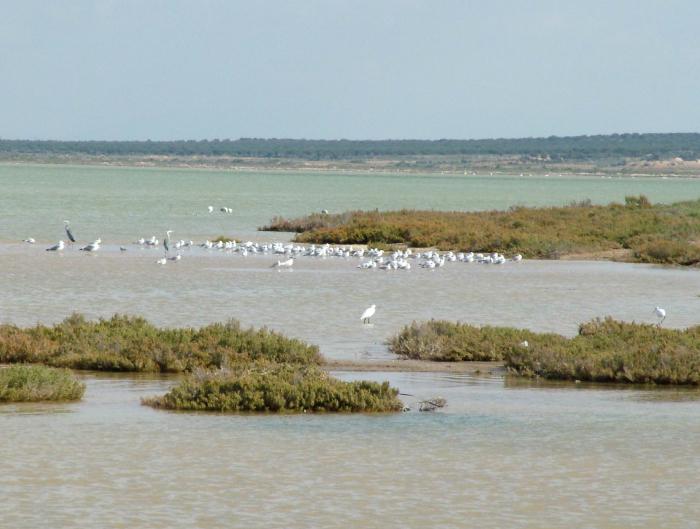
[35,383]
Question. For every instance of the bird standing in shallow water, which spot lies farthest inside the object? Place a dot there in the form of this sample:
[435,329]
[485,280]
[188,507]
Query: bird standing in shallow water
[368,313]
[69,233]
[660,313]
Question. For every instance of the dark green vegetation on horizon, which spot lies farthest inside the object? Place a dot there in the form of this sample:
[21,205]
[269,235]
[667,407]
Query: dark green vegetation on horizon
[276,388]
[603,351]
[126,343]
[25,383]
[646,146]
[659,233]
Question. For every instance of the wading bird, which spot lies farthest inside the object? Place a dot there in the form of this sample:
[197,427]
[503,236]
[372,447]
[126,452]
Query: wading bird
[661,314]
[368,313]
[69,233]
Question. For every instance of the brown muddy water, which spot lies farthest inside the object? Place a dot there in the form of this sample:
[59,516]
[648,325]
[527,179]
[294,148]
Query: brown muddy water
[503,453]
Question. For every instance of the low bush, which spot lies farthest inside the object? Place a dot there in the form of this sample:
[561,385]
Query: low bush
[605,350]
[29,383]
[663,233]
[276,388]
[445,341]
[128,343]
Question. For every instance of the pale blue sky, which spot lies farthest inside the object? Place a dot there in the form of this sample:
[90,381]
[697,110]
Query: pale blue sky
[138,69]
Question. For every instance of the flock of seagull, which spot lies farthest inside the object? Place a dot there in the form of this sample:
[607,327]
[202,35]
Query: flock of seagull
[370,258]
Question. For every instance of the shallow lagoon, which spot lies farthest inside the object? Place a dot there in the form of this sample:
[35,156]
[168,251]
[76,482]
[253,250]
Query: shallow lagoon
[505,452]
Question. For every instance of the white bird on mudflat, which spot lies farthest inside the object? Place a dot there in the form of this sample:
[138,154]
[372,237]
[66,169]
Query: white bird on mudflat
[517,257]
[660,313]
[30,240]
[161,261]
[368,313]
[210,209]
[284,264]
[176,257]
[57,247]
[93,246]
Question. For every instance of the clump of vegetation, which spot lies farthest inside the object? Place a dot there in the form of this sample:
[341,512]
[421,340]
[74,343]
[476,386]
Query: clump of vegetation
[127,343]
[445,341]
[613,351]
[261,387]
[605,350]
[29,383]
[659,233]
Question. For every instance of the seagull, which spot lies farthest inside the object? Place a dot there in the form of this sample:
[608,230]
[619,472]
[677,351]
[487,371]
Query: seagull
[122,248]
[69,233]
[31,240]
[661,314]
[284,264]
[368,313]
[93,246]
[210,209]
[57,247]
[175,257]
[161,261]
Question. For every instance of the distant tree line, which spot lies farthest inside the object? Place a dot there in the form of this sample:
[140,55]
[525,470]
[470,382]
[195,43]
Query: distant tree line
[650,146]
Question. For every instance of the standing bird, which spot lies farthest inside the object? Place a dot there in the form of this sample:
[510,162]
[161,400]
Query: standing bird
[69,233]
[661,314]
[210,209]
[56,247]
[368,313]
[166,241]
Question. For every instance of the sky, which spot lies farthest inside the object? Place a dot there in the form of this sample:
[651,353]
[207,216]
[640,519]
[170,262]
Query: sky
[356,69]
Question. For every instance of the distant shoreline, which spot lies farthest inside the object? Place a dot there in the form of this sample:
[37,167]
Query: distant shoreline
[448,165]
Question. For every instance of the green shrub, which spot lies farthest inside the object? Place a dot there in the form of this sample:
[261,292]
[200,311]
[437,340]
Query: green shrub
[262,387]
[444,341]
[127,343]
[545,233]
[28,383]
[603,351]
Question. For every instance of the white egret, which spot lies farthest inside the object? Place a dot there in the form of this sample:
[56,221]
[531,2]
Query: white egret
[661,314]
[368,313]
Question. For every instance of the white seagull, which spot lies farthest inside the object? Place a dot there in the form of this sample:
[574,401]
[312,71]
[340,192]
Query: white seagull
[57,247]
[368,313]
[661,314]
[210,209]
[93,246]
[31,240]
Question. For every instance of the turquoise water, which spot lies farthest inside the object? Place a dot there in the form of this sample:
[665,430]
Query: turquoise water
[122,204]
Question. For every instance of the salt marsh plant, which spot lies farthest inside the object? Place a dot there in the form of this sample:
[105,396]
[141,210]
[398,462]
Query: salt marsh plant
[33,383]
[264,387]
[129,343]
[659,233]
[604,350]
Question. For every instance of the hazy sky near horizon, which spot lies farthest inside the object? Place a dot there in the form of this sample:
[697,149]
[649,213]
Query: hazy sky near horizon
[177,69]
